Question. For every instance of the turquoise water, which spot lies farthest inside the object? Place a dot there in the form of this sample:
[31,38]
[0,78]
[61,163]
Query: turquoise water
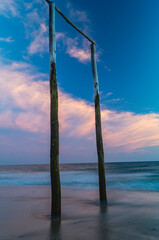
[126,176]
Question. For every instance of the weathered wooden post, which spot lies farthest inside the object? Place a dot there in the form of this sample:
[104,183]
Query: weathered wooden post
[99,141]
[54,125]
[54,151]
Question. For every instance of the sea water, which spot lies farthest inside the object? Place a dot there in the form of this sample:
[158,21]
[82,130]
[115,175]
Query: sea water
[126,176]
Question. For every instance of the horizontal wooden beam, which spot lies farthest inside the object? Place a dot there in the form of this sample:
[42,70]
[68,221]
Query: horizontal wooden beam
[67,20]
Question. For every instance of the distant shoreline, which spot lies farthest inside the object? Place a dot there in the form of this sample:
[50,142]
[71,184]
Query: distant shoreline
[83,163]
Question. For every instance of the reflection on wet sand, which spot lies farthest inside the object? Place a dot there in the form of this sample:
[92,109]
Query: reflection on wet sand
[80,228]
[25,211]
[55,229]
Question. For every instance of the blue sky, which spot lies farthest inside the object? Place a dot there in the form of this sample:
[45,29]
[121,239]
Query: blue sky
[127,37]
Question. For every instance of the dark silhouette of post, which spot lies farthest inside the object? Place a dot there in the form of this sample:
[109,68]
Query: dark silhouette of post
[54,125]
[99,140]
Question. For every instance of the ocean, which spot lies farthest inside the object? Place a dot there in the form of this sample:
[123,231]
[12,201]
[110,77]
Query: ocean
[132,211]
[143,176]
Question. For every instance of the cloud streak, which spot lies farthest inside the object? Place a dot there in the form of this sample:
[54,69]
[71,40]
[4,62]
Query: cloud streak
[40,42]
[8,39]
[78,16]
[24,98]
[9,8]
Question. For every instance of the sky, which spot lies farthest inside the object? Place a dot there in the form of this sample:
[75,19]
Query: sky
[127,51]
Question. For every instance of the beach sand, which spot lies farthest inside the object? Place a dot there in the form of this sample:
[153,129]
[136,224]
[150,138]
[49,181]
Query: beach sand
[25,214]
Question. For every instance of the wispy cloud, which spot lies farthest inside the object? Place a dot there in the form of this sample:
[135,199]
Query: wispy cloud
[114,100]
[40,42]
[8,39]
[108,69]
[82,51]
[72,47]
[59,36]
[76,15]
[9,8]
[28,93]
[83,55]
[108,94]
[36,29]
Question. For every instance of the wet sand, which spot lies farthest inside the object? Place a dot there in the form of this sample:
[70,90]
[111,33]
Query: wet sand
[25,214]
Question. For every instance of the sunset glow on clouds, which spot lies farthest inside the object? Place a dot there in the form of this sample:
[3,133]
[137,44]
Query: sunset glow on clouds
[38,34]
[24,97]
[128,81]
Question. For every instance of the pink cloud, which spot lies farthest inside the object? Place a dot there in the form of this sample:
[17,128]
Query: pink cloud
[82,55]
[40,41]
[25,91]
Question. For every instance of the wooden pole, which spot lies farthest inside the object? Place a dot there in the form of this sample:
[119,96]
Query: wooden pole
[54,125]
[99,141]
